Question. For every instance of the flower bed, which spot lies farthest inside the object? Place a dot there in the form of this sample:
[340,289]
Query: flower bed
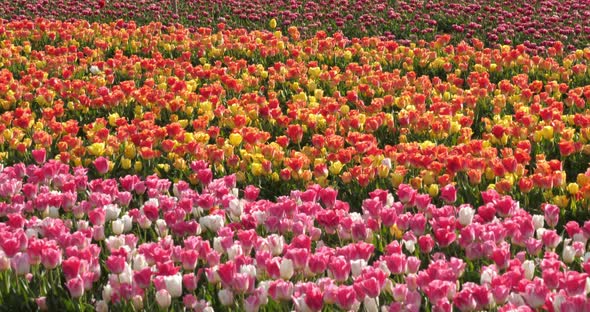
[155,166]
[131,243]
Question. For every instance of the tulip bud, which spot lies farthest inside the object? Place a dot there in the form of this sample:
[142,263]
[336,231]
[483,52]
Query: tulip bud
[529,269]
[397,179]
[163,298]
[286,269]
[161,227]
[21,264]
[76,287]
[568,254]
[433,190]
[117,227]
[41,303]
[538,221]
[226,297]
[137,302]
[102,306]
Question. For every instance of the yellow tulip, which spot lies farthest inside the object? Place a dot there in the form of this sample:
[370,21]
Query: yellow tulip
[137,166]
[561,201]
[573,188]
[130,150]
[547,132]
[257,169]
[272,23]
[96,149]
[336,167]
[396,179]
[433,190]
[396,232]
[125,163]
[113,119]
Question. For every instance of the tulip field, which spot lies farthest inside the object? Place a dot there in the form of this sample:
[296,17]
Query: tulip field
[303,156]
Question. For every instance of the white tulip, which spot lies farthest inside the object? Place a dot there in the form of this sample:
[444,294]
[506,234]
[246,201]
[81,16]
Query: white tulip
[568,254]
[226,297]
[248,269]
[538,221]
[163,298]
[286,269]
[356,267]
[112,212]
[117,226]
[371,304]
[94,70]
[466,215]
[139,262]
[102,306]
[174,285]
[529,269]
[127,223]
[212,222]
[161,227]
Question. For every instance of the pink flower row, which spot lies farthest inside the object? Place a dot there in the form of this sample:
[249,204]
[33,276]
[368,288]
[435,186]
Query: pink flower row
[222,246]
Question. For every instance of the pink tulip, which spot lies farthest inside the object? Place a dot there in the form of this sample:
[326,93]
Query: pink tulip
[51,258]
[575,283]
[339,267]
[406,194]
[41,303]
[76,287]
[20,264]
[39,155]
[226,297]
[280,290]
[205,176]
[551,239]
[318,263]
[314,298]
[551,215]
[535,293]
[102,165]
[464,300]
[189,281]
[328,196]
[396,263]
[189,259]
[505,206]
[345,297]
[242,282]
[426,243]
[299,256]
[251,193]
[448,194]
[190,302]
[116,264]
